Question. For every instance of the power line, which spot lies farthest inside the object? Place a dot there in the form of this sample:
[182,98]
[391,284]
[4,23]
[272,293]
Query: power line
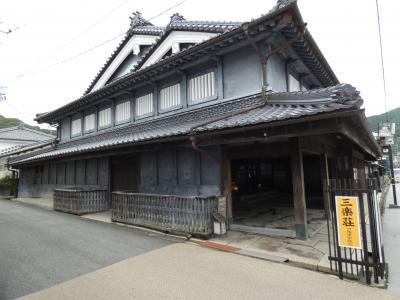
[168,9]
[16,110]
[382,63]
[84,31]
[67,59]
[90,49]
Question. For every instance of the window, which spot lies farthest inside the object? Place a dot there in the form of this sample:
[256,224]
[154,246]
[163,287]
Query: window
[76,127]
[105,117]
[201,87]
[170,96]
[294,84]
[89,122]
[123,112]
[144,105]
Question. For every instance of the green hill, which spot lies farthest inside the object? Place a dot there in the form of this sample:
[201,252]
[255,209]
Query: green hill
[393,117]
[11,122]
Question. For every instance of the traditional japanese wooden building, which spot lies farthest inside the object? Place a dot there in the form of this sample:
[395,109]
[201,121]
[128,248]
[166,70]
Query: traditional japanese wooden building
[249,115]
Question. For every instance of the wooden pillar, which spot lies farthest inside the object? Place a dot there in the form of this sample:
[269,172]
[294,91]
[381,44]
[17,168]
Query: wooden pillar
[300,212]
[325,182]
[226,183]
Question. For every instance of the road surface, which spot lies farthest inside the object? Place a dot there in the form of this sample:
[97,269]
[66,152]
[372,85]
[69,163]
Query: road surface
[40,248]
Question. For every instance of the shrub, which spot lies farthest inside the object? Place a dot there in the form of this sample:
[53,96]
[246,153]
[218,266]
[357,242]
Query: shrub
[9,182]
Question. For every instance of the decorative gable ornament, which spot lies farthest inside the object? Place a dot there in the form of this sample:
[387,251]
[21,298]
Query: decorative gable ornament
[176,17]
[137,20]
[281,3]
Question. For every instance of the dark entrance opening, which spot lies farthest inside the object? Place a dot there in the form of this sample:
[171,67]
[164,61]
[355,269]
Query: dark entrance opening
[262,195]
[313,182]
[261,190]
[125,173]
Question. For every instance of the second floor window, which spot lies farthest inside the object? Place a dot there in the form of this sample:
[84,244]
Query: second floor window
[105,117]
[123,112]
[201,87]
[89,122]
[170,96]
[76,127]
[144,105]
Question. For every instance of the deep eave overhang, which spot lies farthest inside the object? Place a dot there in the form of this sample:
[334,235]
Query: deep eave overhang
[315,60]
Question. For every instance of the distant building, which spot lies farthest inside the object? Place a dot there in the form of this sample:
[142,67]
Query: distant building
[16,138]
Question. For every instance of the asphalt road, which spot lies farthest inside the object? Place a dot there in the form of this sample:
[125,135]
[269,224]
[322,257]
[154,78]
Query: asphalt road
[40,248]
[391,239]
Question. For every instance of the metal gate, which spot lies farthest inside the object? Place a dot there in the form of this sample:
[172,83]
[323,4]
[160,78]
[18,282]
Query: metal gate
[366,261]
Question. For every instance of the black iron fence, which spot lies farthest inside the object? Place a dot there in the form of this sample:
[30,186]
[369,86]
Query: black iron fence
[189,215]
[354,229]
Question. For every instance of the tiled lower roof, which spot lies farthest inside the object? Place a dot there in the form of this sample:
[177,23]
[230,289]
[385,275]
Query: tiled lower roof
[280,106]
[21,133]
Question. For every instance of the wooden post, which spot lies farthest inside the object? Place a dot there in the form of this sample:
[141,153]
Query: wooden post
[300,212]
[226,183]
[325,182]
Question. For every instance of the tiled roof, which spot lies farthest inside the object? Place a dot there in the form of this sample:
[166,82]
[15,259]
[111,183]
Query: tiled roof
[21,133]
[308,51]
[280,106]
[145,27]
[178,22]
[17,149]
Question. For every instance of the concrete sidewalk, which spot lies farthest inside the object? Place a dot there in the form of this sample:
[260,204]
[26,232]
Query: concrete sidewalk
[188,271]
[311,254]
[391,237]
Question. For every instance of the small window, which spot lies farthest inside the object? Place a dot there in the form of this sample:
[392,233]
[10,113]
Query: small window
[89,122]
[294,84]
[201,87]
[144,105]
[105,117]
[170,97]
[123,112]
[76,127]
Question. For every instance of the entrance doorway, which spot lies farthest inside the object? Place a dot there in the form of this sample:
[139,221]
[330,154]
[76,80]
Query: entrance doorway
[262,195]
[125,173]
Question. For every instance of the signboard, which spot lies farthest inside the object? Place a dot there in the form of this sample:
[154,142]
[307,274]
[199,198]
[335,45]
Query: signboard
[348,221]
[386,129]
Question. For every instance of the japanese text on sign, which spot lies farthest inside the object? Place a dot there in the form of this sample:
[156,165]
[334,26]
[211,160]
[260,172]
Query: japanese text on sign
[348,221]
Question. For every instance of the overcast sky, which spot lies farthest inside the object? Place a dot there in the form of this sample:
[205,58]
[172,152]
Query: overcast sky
[49,32]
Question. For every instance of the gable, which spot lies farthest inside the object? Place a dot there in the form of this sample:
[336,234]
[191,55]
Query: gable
[174,42]
[126,59]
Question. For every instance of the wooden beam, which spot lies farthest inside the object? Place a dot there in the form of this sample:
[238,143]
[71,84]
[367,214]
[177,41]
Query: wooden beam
[299,198]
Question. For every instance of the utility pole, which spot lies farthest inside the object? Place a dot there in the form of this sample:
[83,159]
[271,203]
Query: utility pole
[393,181]
[386,135]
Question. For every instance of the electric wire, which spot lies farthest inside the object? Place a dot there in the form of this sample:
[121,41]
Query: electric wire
[83,52]
[382,61]
[75,38]
[88,50]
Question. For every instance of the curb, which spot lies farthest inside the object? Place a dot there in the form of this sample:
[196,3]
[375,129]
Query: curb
[240,251]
